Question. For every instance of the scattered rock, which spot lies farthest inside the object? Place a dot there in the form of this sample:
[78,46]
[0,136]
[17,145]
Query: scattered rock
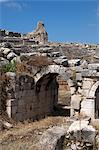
[52,138]
[11,55]
[7,125]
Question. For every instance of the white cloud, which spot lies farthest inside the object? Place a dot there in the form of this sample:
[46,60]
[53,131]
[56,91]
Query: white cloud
[14,5]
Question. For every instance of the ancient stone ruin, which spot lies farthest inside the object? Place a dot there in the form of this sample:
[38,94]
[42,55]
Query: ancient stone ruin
[32,90]
[39,78]
[39,36]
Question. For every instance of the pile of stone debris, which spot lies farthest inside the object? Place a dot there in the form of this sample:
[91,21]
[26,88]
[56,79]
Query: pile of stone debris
[79,136]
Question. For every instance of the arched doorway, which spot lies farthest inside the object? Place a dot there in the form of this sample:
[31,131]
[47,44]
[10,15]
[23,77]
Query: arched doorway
[64,97]
[97,103]
[57,93]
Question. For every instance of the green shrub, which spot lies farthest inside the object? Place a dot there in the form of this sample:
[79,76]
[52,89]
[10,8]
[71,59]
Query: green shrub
[11,67]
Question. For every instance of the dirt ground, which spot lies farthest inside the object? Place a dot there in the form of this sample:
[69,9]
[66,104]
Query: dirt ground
[26,136]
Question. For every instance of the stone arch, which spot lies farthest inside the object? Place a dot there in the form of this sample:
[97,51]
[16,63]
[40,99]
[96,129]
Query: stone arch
[56,70]
[94,95]
[88,104]
[93,89]
[97,103]
[59,69]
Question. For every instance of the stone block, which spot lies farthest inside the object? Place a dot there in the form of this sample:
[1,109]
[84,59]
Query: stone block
[11,102]
[87,84]
[14,110]
[87,106]
[97,74]
[20,117]
[85,92]
[89,73]
[93,66]
[85,73]
[21,102]
[79,90]
[8,110]
[21,109]
[72,90]
[75,101]
[78,77]
[92,73]
[79,84]
[91,94]
[70,82]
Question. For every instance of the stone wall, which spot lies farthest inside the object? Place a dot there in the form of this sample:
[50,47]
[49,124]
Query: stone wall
[4,33]
[39,35]
[32,101]
[64,95]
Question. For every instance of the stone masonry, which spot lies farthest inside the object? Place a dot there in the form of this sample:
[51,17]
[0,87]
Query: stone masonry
[30,101]
[34,95]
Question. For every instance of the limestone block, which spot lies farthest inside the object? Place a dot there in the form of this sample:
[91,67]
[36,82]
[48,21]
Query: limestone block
[87,106]
[12,75]
[91,94]
[82,129]
[97,74]
[78,68]
[85,92]
[50,138]
[72,90]
[3,61]
[8,110]
[88,79]
[79,84]
[84,64]
[7,125]
[78,77]
[93,66]
[70,82]
[11,55]
[87,84]
[6,51]
[74,62]
[85,73]
[75,101]
[92,73]
[79,90]
[11,102]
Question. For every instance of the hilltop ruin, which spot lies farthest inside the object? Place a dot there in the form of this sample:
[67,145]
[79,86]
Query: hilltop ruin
[39,36]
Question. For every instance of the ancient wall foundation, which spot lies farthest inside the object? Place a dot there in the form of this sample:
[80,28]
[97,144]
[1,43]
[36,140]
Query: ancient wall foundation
[31,101]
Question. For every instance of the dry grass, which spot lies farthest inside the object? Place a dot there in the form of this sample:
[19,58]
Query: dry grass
[26,135]
[95,123]
[39,61]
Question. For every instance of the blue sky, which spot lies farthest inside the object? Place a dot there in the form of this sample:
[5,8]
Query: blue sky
[65,20]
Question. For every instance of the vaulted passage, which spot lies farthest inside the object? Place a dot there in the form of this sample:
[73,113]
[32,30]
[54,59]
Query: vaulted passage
[64,97]
[97,103]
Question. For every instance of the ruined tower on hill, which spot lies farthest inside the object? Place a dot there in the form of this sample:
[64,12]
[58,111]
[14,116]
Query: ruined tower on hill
[39,34]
